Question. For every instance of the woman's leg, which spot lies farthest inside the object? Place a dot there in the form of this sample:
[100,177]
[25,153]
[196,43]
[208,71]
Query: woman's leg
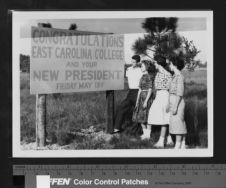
[178,142]
[143,126]
[183,143]
[161,140]
[169,140]
[149,127]
[163,131]
[146,132]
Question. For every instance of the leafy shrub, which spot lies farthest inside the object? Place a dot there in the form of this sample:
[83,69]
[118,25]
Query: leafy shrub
[63,137]
[195,118]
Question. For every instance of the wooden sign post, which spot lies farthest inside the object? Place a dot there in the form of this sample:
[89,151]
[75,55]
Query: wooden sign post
[110,111]
[40,120]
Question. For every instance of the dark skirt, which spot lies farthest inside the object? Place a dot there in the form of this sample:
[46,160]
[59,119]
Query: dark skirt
[140,114]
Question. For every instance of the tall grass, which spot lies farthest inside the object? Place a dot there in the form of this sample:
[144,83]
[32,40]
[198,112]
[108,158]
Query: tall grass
[69,113]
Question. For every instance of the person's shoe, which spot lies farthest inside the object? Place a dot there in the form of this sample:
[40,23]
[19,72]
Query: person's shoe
[143,135]
[160,143]
[146,134]
[183,145]
[116,131]
[177,145]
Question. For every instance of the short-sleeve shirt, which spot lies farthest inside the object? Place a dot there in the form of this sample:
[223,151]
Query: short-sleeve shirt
[134,74]
[162,79]
[146,82]
[177,85]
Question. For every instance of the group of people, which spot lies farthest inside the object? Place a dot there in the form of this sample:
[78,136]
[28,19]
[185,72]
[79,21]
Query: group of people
[156,89]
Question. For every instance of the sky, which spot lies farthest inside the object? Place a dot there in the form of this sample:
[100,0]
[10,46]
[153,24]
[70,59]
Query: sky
[192,28]
[117,26]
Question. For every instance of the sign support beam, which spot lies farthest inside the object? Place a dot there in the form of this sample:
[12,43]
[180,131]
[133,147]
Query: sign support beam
[110,111]
[40,120]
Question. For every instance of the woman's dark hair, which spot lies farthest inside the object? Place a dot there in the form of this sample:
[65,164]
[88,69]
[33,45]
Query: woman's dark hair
[149,66]
[161,60]
[178,62]
[136,57]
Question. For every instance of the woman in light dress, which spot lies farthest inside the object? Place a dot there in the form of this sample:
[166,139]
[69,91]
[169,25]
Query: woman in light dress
[158,114]
[177,124]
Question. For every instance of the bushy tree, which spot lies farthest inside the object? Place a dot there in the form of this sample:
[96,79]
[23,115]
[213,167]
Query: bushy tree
[163,40]
[203,65]
[46,25]
[73,27]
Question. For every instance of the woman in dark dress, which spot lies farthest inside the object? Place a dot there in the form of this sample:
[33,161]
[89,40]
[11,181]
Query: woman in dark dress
[144,97]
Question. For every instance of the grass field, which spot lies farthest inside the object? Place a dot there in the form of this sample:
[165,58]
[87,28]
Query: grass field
[78,120]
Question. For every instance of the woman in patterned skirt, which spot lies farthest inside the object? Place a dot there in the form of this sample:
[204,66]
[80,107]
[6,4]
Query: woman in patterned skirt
[144,98]
[158,114]
[177,104]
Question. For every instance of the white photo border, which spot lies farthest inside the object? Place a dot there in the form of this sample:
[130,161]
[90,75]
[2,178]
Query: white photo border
[20,16]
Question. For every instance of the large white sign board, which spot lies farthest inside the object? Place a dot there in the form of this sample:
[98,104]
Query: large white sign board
[62,62]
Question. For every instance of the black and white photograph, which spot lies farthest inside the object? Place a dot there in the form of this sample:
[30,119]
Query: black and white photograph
[112,84]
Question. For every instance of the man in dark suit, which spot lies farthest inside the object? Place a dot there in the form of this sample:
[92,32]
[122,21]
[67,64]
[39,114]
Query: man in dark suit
[125,109]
